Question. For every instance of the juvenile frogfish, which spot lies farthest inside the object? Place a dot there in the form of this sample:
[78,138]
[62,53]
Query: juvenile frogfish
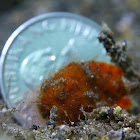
[88,85]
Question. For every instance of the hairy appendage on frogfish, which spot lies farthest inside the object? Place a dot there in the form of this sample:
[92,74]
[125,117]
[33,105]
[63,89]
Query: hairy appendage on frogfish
[88,85]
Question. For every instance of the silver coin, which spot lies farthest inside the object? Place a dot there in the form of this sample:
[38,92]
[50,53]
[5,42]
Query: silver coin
[41,46]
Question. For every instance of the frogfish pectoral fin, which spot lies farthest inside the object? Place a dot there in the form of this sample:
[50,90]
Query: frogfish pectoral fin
[125,102]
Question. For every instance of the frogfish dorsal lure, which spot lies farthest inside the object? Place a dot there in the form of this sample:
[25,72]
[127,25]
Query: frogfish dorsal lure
[88,85]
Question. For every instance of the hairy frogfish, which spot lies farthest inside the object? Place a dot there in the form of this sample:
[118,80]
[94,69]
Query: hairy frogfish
[88,85]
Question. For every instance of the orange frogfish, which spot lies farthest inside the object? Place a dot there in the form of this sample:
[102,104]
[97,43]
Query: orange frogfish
[89,85]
